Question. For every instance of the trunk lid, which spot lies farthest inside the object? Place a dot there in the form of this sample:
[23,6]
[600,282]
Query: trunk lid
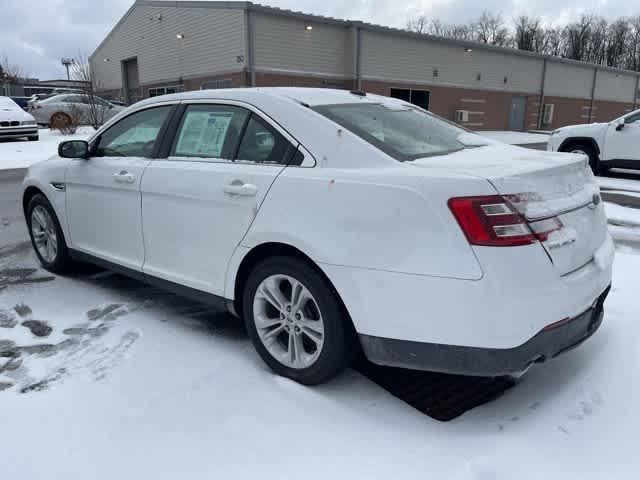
[553,184]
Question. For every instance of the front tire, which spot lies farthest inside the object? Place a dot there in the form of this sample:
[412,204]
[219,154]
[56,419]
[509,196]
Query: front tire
[295,321]
[46,235]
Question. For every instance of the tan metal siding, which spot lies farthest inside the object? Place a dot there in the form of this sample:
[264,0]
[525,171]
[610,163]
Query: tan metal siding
[282,44]
[569,81]
[396,58]
[214,38]
[615,86]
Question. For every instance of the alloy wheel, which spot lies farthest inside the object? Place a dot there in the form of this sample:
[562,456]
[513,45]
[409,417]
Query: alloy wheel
[44,234]
[288,321]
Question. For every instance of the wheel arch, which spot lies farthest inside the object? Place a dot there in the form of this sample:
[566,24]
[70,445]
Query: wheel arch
[277,249]
[580,140]
[30,192]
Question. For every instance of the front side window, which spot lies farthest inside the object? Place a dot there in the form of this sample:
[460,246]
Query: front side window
[133,136]
[214,132]
[403,132]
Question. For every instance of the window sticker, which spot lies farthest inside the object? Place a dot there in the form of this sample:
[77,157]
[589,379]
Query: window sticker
[203,134]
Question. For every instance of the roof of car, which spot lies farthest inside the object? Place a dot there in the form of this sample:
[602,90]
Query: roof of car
[307,96]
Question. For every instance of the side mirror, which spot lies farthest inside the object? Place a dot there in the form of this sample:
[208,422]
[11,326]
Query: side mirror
[620,125]
[74,149]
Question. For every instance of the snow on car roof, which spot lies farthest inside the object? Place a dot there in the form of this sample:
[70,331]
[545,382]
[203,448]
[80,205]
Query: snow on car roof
[307,96]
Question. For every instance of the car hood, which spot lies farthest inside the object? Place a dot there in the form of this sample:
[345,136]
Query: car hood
[585,129]
[10,113]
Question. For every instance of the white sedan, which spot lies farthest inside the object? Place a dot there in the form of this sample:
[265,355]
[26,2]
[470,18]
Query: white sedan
[15,122]
[334,221]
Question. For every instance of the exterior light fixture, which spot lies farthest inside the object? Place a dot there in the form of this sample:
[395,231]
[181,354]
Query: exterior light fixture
[468,50]
[107,59]
[180,36]
[308,28]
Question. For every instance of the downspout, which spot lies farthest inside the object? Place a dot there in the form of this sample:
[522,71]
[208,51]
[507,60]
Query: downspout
[541,102]
[593,94]
[357,57]
[250,60]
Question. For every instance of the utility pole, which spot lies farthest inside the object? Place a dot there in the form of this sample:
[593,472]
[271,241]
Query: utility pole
[67,62]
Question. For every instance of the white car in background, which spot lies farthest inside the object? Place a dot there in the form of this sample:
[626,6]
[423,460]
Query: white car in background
[15,122]
[62,108]
[613,144]
[332,221]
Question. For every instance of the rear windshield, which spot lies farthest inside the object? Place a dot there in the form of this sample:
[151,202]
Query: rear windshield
[403,132]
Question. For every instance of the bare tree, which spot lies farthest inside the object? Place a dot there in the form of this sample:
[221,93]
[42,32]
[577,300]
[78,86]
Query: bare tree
[491,29]
[418,25]
[632,60]
[10,74]
[616,53]
[578,36]
[96,107]
[529,34]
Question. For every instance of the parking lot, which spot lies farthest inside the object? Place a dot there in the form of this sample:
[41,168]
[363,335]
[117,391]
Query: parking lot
[139,381]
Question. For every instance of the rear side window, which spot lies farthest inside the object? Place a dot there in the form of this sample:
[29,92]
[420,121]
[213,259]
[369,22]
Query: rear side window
[214,132]
[210,132]
[262,144]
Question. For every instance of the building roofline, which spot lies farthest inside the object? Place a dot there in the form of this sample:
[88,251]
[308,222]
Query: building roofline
[255,7]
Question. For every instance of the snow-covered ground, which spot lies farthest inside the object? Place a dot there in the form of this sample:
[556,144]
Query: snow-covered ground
[516,138]
[620,184]
[21,153]
[132,384]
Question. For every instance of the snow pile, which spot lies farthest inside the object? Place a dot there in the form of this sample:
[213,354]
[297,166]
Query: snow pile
[22,153]
[623,184]
[622,216]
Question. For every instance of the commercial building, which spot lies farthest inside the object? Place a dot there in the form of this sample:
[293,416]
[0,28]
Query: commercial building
[162,47]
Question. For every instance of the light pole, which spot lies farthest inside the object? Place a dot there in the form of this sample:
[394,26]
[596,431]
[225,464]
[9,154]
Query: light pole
[67,62]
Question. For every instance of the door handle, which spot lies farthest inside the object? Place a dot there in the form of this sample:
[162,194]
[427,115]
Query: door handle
[242,189]
[124,177]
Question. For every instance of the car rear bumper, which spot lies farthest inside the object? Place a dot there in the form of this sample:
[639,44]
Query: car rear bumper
[18,132]
[549,343]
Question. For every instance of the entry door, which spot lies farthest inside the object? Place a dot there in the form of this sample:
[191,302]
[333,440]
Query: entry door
[103,192]
[198,204]
[131,80]
[624,144]
[517,113]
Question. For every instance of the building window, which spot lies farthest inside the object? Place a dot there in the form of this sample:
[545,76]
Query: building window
[156,92]
[417,97]
[216,84]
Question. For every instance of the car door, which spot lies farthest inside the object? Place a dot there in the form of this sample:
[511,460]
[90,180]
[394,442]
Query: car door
[198,203]
[623,143]
[103,192]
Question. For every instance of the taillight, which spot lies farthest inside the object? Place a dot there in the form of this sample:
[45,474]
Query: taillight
[493,221]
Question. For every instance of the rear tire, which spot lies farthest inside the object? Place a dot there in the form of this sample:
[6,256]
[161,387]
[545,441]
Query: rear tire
[46,235]
[296,321]
[589,151]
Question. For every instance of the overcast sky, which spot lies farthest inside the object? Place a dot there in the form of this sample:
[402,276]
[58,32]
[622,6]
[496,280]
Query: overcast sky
[38,33]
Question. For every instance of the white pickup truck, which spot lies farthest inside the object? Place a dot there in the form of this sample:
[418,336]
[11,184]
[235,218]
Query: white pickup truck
[613,144]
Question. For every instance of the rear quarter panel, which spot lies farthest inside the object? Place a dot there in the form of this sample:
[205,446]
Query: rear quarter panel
[393,219]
